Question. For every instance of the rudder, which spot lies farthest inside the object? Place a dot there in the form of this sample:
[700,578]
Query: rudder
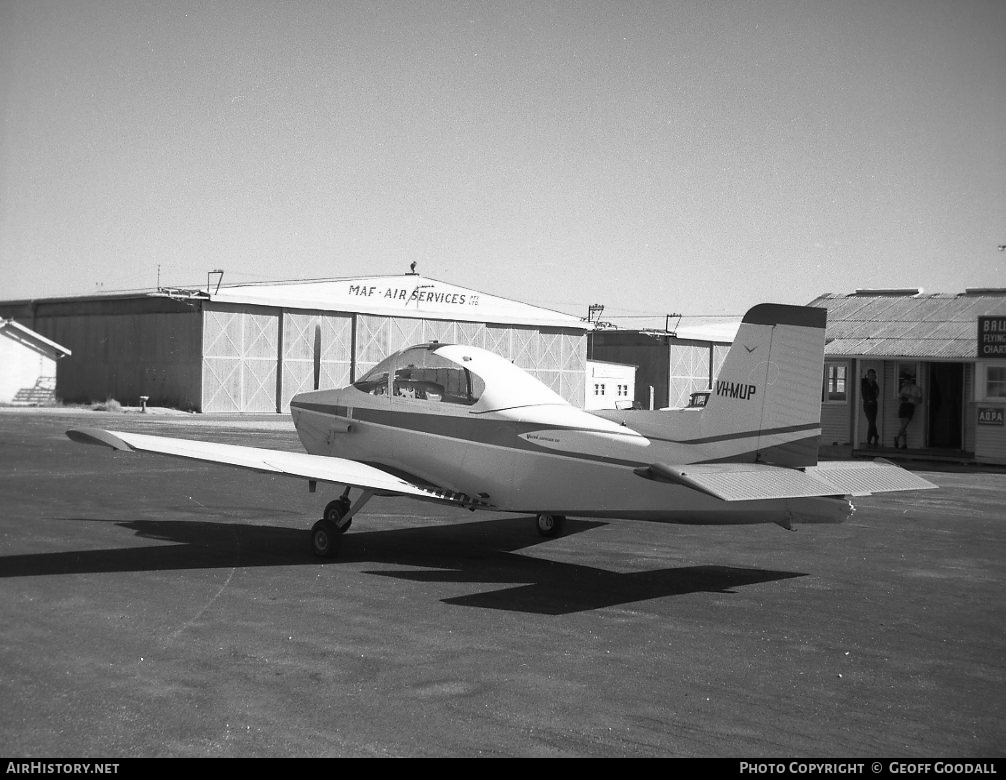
[767,395]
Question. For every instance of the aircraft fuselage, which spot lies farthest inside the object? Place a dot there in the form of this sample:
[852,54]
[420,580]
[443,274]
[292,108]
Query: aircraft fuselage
[542,456]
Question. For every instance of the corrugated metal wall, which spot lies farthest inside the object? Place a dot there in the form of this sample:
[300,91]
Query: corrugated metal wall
[125,349]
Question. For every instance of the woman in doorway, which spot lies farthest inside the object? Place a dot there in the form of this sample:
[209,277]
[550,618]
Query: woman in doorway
[909,396]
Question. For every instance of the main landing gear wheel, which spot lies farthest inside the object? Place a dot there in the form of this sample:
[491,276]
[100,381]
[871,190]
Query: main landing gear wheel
[326,533]
[550,525]
[325,538]
[335,511]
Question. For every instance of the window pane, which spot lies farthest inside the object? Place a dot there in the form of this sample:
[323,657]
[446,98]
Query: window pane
[995,382]
[835,384]
[375,381]
[422,375]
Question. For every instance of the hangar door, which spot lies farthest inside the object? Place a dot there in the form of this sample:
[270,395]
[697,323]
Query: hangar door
[240,359]
[557,358]
[317,352]
[693,366]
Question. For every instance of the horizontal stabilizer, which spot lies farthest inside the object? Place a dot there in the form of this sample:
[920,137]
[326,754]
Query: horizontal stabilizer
[294,464]
[861,478]
[756,481]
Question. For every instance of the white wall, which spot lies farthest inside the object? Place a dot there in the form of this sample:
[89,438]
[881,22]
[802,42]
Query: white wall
[607,384]
[21,366]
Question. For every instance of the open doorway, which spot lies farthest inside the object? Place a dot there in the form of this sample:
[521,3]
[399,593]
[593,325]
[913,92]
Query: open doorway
[946,405]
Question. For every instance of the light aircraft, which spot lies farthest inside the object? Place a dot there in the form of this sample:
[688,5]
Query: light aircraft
[459,425]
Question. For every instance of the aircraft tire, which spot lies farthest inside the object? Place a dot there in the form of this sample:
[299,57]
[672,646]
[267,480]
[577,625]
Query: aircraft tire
[549,525]
[335,511]
[325,539]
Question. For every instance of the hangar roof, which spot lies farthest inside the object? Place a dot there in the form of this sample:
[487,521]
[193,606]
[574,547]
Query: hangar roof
[30,338]
[716,329]
[408,295]
[907,323]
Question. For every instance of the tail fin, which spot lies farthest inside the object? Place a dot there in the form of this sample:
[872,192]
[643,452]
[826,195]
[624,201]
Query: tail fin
[768,392]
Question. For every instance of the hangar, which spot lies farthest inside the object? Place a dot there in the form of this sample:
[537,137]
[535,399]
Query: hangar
[251,348]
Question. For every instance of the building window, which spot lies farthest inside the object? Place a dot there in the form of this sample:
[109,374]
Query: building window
[995,382]
[623,391]
[836,383]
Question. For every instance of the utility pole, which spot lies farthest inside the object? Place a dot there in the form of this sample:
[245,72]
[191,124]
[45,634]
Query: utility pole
[594,312]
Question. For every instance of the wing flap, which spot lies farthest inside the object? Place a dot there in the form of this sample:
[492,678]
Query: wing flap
[758,481]
[293,464]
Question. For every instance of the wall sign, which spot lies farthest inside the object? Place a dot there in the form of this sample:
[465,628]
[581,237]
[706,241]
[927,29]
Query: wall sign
[992,336]
[990,415]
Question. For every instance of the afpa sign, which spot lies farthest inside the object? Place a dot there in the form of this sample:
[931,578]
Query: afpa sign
[992,337]
[990,415]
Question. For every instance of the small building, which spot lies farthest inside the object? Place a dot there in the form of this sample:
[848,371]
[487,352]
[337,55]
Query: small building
[27,365]
[609,386]
[671,364]
[952,346]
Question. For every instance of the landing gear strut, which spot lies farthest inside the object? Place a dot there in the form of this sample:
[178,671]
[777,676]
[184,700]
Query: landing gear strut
[550,525]
[338,517]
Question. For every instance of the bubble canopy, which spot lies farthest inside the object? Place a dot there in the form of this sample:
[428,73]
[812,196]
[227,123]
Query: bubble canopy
[455,374]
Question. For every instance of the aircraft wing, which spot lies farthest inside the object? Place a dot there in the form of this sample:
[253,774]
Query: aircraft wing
[757,481]
[291,464]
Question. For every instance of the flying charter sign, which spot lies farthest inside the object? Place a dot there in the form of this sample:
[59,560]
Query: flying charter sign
[992,336]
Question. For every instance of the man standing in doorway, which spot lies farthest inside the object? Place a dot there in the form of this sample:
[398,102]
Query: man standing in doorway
[870,391]
[909,397]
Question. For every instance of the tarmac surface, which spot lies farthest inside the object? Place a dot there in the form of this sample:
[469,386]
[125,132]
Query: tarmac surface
[155,607]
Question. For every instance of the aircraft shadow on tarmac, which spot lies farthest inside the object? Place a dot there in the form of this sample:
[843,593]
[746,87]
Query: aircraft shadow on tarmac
[484,552]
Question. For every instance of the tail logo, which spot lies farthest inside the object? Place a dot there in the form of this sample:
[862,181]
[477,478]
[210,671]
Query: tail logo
[736,390]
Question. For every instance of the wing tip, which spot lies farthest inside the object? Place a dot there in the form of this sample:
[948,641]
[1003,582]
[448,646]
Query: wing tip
[98,437]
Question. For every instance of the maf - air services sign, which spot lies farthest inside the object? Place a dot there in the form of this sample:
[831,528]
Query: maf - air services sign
[992,336]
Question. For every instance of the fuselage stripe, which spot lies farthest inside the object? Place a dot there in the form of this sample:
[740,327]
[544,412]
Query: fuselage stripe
[508,434]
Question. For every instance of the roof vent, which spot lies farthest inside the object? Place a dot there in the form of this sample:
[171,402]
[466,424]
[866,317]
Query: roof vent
[903,292]
[985,290]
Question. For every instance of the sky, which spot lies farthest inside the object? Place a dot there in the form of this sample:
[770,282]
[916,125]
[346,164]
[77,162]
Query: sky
[667,157]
